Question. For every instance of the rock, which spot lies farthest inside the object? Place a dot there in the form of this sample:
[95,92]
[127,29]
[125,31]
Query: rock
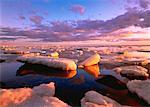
[132,71]
[92,60]
[141,88]
[94,99]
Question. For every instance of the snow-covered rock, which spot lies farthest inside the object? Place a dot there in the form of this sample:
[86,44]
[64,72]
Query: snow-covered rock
[94,99]
[132,70]
[141,88]
[39,96]
[92,60]
[59,63]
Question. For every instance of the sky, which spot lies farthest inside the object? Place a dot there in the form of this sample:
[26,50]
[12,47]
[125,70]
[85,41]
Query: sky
[17,13]
[52,20]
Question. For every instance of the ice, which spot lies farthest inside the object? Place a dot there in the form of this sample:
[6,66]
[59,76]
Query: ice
[93,70]
[94,99]
[136,54]
[59,63]
[54,54]
[132,70]
[92,60]
[45,89]
[39,96]
[141,88]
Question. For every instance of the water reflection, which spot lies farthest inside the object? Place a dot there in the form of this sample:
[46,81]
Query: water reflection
[78,80]
[111,82]
[27,69]
[93,70]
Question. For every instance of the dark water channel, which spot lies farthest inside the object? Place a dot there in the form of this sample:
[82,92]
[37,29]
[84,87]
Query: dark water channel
[70,86]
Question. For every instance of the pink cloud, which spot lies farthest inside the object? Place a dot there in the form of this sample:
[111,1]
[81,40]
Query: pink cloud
[36,19]
[78,9]
[21,17]
[141,4]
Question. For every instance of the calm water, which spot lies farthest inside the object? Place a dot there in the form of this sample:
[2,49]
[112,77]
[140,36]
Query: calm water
[70,86]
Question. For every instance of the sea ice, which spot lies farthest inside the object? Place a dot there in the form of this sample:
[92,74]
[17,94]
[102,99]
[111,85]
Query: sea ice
[132,70]
[94,99]
[141,88]
[39,96]
[92,60]
[59,63]
[136,54]
[54,54]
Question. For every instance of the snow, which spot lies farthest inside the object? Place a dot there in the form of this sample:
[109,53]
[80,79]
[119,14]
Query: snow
[94,99]
[92,60]
[132,70]
[59,63]
[141,88]
[39,96]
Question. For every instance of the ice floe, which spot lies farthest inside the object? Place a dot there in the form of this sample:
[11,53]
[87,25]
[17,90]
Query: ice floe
[141,88]
[54,54]
[94,99]
[39,96]
[59,63]
[93,70]
[136,54]
[132,70]
[27,69]
[92,60]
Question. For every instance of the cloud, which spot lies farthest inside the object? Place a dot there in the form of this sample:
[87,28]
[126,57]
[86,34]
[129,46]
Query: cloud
[79,30]
[139,4]
[59,26]
[128,19]
[8,39]
[89,24]
[77,8]
[21,17]
[36,19]
[144,3]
